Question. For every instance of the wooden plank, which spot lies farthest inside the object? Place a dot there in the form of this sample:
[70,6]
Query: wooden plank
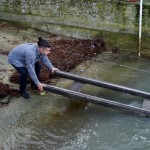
[146,104]
[96,100]
[103,84]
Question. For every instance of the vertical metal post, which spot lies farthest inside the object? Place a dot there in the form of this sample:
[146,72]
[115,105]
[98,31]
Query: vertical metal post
[140,26]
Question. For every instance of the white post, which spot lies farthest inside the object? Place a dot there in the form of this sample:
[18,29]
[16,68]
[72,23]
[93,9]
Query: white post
[140,26]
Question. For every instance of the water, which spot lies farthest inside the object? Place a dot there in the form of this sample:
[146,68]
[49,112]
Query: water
[80,126]
[93,129]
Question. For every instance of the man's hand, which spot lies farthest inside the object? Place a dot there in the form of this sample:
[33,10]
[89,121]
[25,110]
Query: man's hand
[54,69]
[40,86]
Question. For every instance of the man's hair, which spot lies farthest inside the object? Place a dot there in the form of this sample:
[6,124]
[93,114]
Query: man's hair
[43,43]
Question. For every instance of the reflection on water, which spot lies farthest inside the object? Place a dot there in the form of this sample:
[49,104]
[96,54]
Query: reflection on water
[90,127]
[93,129]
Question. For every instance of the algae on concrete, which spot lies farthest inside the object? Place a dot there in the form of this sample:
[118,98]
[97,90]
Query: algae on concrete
[115,21]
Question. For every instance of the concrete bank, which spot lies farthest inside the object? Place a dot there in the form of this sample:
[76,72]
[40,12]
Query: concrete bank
[18,116]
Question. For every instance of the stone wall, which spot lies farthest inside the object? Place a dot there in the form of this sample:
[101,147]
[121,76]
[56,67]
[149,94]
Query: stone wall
[80,18]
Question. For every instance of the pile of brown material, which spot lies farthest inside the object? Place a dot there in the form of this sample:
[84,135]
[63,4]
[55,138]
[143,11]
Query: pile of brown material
[2,52]
[65,55]
[5,91]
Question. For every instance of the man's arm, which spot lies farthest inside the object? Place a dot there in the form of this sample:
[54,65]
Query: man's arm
[45,60]
[48,63]
[33,76]
[31,70]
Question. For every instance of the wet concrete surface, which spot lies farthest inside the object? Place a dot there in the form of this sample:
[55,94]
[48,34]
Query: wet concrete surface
[77,56]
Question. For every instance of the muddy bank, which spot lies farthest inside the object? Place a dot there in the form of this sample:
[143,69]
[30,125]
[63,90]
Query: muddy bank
[66,55]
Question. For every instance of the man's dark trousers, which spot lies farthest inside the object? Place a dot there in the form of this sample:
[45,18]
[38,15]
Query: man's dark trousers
[24,76]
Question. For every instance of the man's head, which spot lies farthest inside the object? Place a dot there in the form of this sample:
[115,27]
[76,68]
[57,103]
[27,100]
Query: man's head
[44,46]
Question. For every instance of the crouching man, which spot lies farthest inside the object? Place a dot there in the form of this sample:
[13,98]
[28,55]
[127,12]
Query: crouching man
[25,59]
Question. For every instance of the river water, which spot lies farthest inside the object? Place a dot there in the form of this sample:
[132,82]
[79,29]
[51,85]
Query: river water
[57,123]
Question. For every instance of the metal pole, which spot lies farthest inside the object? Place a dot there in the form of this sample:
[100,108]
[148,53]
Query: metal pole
[96,100]
[102,84]
[140,26]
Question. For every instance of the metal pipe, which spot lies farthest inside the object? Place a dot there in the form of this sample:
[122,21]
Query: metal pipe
[103,84]
[96,100]
[140,26]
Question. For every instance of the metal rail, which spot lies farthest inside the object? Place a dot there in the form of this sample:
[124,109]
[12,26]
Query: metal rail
[102,84]
[96,100]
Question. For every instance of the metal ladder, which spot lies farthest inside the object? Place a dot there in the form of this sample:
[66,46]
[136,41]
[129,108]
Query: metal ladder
[79,81]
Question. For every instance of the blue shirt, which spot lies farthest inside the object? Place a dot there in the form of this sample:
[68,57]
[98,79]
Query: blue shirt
[26,55]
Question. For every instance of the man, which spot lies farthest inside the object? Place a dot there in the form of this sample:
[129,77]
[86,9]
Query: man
[25,59]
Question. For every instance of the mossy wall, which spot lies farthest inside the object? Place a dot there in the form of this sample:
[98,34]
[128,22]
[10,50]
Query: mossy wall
[110,19]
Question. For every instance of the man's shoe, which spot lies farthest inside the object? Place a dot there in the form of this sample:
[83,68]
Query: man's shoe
[25,95]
